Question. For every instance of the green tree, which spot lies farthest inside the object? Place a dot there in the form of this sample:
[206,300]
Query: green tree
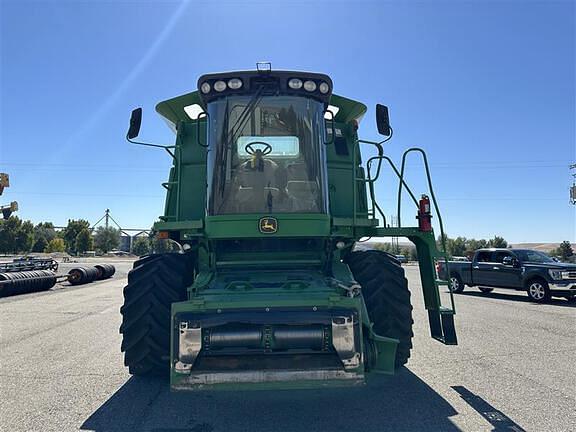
[106,239]
[473,244]
[25,237]
[141,246]
[55,245]
[84,241]
[8,230]
[497,242]
[43,233]
[564,251]
[71,232]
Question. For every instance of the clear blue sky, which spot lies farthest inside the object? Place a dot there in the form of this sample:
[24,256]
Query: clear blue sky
[486,87]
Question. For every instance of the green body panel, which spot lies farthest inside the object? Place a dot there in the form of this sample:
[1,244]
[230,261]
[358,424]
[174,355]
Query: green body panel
[239,267]
[246,226]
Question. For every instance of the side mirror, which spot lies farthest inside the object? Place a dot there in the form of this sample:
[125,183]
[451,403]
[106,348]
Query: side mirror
[382,120]
[510,261]
[135,123]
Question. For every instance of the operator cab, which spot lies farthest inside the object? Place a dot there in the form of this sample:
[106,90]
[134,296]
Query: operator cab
[265,136]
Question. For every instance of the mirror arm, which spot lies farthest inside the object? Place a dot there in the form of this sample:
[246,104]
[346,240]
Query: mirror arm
[165,147]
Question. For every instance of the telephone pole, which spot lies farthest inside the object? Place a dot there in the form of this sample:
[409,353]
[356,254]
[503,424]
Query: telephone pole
[573,187]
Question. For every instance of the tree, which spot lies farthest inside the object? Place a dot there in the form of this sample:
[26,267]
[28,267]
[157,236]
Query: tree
[565,251]
[84,241]
[55,245]
[497,242]
[43,233]
[106,239]
[25,237]
[141,246]
[473,244]
[8,231]
[71,232]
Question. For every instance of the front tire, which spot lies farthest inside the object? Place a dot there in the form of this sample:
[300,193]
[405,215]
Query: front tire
[154,283]
[387,298]
[538,290]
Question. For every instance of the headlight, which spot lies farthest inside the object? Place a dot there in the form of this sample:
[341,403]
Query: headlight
[555,274]
[309,86]
[235,83]
[324,88]
[205,88]
[295,83]
[219,86]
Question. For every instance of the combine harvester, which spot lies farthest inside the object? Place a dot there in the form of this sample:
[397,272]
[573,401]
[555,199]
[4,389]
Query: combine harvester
[267,196]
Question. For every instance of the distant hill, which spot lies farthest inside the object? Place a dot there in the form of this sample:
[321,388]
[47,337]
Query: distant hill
[543,247]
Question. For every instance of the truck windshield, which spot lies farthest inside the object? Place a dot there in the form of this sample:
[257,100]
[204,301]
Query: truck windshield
[533,256]
[266,155]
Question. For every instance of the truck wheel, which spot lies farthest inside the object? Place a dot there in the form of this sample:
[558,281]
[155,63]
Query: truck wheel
[155,282]
[456,284]
[486,290]
[538,290]
[385,292]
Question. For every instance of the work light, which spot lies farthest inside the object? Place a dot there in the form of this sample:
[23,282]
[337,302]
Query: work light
[295,83]
[309,86]
[235,83]
[205,88]
[219,86]
[323,88]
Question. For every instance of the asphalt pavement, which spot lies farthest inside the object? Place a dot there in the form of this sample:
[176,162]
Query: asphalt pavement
[514,369]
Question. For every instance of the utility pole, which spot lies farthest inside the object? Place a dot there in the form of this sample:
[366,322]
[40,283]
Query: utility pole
[573,187]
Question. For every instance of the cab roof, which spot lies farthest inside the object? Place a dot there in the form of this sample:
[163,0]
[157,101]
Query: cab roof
[175,110]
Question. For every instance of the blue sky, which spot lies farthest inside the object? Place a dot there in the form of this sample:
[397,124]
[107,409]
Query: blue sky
[486,87]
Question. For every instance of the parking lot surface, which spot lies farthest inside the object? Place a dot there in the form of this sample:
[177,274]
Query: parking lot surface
[514,369]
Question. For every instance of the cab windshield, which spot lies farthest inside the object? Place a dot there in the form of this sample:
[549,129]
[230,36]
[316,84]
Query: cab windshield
[266,155]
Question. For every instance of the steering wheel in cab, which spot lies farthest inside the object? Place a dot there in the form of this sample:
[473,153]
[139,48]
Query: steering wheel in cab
[254,152]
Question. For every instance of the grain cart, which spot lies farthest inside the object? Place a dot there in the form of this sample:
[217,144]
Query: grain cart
[267,197]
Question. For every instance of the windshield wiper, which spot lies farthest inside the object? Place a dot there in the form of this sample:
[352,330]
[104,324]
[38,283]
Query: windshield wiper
[244,116]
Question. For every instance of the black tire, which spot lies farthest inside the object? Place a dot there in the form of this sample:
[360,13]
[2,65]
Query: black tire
[154,283]
[538,290]
[387,298]
[456,284]
[486,290]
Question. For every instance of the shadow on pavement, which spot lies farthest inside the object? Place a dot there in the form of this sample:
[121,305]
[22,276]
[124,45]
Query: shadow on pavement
[400,403]
[496,418]
[515,297]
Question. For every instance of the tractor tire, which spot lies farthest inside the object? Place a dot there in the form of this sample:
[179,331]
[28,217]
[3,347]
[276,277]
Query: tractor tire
[387,298]
[154,283]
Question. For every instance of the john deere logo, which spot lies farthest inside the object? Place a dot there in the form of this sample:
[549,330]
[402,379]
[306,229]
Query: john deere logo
[268,225]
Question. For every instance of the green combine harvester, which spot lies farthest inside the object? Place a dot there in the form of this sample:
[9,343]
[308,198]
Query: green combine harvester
[267,198]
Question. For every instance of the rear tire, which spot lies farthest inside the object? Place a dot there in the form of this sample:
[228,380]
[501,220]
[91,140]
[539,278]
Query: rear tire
[387,298]
[154,283]
[456,284]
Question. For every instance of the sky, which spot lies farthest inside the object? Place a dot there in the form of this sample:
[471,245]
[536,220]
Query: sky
[487,88]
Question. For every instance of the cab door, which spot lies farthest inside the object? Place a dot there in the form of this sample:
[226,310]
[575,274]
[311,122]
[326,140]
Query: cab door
[482,269]
[506,275]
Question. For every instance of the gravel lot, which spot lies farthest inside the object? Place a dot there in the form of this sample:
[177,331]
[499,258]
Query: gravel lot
[514,369]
